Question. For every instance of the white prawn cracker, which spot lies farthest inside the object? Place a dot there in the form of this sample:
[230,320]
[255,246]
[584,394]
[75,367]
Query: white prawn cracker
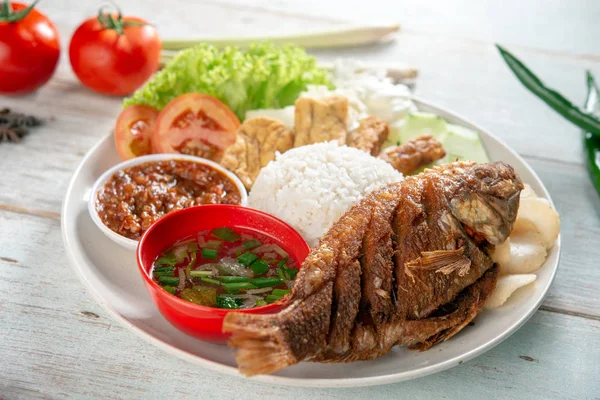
[527,253]
[506,286]
[536,228]
[539,212]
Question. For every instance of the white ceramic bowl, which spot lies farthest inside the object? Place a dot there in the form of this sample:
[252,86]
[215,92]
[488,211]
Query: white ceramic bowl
[131,244]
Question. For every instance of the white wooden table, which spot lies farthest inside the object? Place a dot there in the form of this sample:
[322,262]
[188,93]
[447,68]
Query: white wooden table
[56,342]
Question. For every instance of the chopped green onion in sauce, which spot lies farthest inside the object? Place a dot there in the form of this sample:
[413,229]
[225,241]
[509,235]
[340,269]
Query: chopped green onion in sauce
[250,244]
[225,268]
[209,253]
[227,234]
[168,280]
[247,258]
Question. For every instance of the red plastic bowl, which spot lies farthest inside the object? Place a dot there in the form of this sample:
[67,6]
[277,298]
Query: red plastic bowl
[200,321]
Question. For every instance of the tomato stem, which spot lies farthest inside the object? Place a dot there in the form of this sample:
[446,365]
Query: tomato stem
[7,14]
[108,20]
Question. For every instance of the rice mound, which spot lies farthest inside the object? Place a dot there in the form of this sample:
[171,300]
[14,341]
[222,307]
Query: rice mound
[311,187]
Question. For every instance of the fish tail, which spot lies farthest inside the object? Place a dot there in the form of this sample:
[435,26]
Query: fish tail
[262,347]
[271,342]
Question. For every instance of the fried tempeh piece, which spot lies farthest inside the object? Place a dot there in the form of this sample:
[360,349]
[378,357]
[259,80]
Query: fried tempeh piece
[320,120]
[414,154]
[258,139]
[369,136]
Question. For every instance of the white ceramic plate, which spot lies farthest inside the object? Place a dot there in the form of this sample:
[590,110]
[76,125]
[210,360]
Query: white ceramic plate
[110,273]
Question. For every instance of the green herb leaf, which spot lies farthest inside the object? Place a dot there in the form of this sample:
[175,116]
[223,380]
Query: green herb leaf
[247,258]
[168,259]
[227,302]
[259,267]
[226,234]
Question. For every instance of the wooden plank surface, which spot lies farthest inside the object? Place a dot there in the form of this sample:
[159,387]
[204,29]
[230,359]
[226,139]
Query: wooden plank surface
[58,343]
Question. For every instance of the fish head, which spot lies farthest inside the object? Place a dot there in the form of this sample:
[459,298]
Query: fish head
[486,200]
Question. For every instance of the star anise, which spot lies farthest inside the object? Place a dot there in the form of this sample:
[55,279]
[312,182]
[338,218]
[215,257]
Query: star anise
[13,126]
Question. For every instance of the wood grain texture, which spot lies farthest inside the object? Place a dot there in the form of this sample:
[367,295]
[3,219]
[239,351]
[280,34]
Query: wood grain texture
[58,343]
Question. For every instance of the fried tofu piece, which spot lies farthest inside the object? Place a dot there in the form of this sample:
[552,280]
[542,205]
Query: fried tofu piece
[320,120]
[369,136]
[258,139]
[414,154]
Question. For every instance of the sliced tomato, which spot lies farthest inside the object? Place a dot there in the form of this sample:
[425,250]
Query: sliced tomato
[133,131]
[196,124]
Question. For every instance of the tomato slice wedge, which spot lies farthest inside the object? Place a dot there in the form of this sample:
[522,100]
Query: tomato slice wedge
[196,124]
[133,131]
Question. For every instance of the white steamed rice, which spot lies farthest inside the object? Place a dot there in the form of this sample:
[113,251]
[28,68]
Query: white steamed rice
[310,187]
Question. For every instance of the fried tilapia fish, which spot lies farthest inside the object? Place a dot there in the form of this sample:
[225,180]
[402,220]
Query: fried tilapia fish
[408,265]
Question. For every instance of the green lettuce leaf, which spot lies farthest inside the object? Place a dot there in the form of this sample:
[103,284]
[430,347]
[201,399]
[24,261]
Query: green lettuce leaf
[262,76]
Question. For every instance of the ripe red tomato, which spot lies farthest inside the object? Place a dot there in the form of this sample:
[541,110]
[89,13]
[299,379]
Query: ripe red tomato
[114,55]
[29,49]
[133,131]
[196,124]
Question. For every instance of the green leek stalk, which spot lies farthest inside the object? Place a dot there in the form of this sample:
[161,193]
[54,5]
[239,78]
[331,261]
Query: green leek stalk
[345,36]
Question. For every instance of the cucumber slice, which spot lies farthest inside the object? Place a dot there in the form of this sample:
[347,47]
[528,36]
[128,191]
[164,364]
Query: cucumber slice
[419,123]
[464,144]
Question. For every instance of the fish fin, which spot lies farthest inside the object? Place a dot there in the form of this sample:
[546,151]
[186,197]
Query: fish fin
[470,301]
[442,261]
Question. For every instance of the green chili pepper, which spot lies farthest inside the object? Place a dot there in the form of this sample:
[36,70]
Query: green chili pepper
[585,120]
[592,143]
